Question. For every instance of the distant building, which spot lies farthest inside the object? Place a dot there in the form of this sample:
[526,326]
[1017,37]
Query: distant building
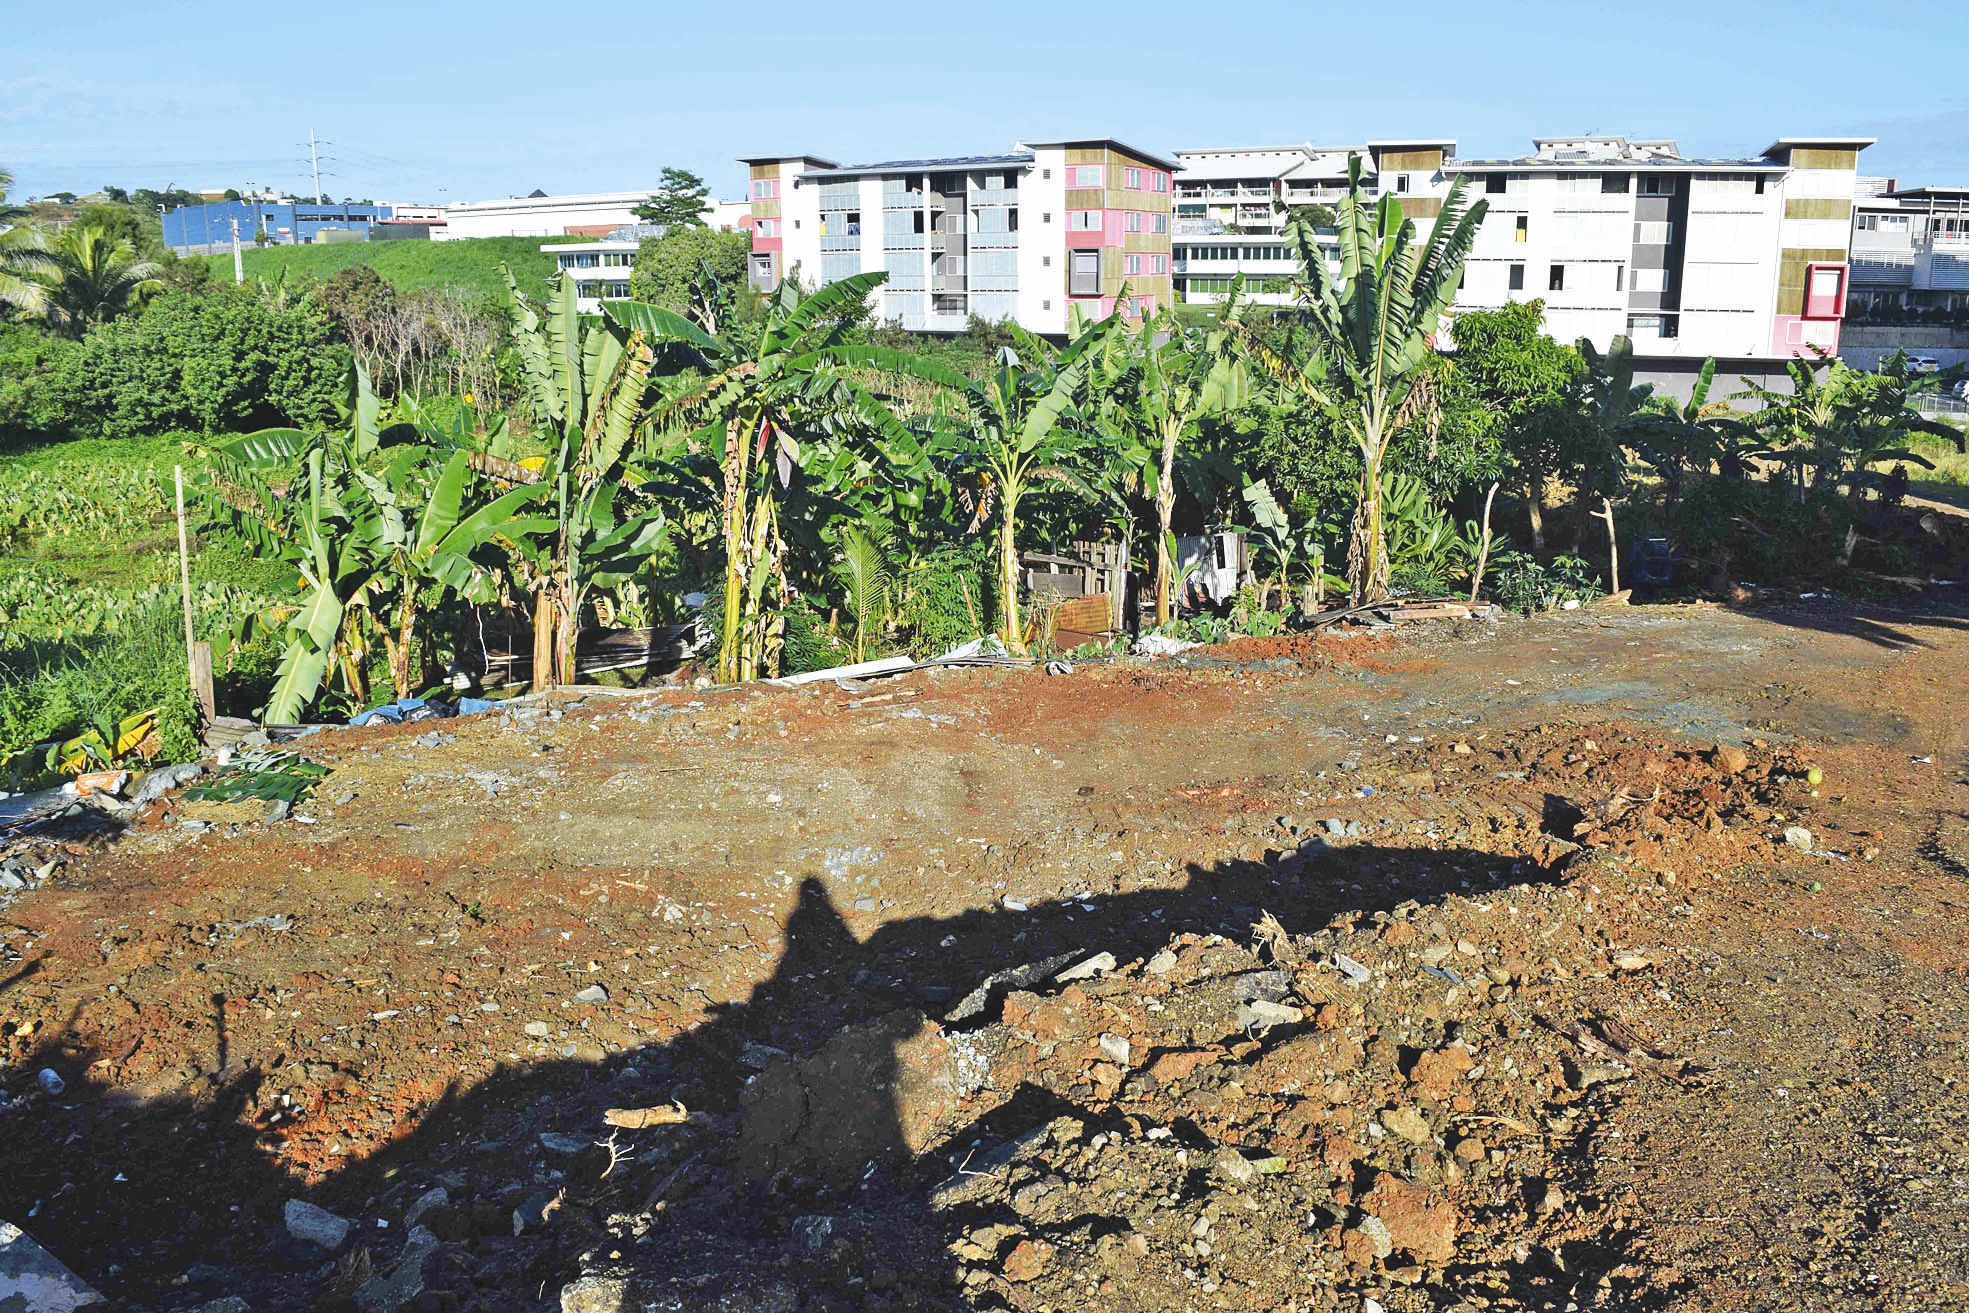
[1741,259]
[202,229]
[1027,235]
[600,269]
[1910,250]
[590,214]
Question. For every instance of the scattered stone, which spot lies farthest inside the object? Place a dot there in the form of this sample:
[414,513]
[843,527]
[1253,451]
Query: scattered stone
[435,1197]
[562,1143]
[1418,1224]
[391,1291]
[1632,962]
[1161,964]
[315,1225]
[596,1295]
[538,1029]
[33,1281]
[1351,969]
[1028,1259]
[1234,1166]
[1730,760]
[1115,1047]
[1261,1015]
[1584,1076]
[1798,837]
[1097,965]
[1408,1123]
[592,994]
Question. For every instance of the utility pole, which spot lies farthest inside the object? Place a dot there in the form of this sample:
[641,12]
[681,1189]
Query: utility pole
[238,261]
[314,161]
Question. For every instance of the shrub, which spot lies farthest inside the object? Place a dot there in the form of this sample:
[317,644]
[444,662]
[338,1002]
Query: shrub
[1518,581]
[30,397]
[221,362]
[944,600]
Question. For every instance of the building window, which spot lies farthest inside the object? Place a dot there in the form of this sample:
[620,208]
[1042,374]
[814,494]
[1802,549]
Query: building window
[1760,184]
[1131,179]
[1046,173]
[1085,175]
[1658,185]
[1045,262]
[1132,221]
[1495,183]
[1613,182]
[1619,277]
[1523,233]
[768,227]
[1083,221]
[1046,217]
[764,189]
[1556,280]
[1045,305]
[1084,273]
[1517,283]
[1162,264]
[1160,180]
[1651,280]
[1653,232]
[1161,223]
[1401,182]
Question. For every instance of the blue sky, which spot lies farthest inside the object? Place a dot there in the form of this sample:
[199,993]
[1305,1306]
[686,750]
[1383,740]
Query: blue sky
[446,102]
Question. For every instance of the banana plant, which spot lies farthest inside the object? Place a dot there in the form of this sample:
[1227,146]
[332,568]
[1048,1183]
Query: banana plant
[762,422]
[1371,337]
[587,384]
[1159,385]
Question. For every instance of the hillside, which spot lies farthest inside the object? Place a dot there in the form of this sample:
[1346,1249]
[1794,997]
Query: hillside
[471,263]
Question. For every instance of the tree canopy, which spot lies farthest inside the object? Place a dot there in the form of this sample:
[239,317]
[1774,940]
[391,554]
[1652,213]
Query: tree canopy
[678,202]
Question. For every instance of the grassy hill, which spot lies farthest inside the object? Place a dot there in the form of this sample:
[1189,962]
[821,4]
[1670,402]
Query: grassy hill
[471,263]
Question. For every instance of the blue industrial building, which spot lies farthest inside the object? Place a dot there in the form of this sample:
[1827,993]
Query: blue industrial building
[204,228]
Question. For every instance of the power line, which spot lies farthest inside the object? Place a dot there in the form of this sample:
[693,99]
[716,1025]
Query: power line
[314,161]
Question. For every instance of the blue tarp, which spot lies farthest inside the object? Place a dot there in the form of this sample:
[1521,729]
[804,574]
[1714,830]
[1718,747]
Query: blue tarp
[402,709]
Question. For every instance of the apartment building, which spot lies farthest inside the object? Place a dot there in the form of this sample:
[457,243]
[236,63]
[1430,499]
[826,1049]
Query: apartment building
[1689,257]
[1027,235]
[600,269]
[1910,250]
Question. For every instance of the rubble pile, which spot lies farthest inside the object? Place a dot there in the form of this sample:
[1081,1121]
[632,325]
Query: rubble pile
[1392,1107]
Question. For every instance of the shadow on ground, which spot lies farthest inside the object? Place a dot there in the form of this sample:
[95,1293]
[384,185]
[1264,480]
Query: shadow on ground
[807,1185]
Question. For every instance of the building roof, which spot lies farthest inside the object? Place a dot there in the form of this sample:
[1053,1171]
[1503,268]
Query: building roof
[821,160]
[948,164]
[1228,169]
[1114,143]
[1836,143]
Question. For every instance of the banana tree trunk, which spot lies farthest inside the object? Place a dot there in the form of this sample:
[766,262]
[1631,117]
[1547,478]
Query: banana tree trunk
[401,645]
[1165,514]
[567,633]
[736,539]
[543,638]
[1535,507]
[1367,549]
[1013,628]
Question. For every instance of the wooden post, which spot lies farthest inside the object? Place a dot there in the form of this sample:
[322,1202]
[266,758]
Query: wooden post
[184,584]
[201,681]
[543,640]
[1613,547]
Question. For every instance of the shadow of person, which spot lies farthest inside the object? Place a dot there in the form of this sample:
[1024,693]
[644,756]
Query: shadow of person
[830,1115]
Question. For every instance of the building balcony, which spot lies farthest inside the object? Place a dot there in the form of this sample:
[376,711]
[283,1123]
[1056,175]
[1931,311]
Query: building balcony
[948,283]
[841,241]
[994,196]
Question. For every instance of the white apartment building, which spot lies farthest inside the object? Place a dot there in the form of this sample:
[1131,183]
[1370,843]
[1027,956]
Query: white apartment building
[1026,235]
[590,214]
[1910,249]
[600,270]
[1741,259]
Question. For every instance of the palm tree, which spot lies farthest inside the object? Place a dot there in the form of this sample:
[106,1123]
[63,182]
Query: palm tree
[77,279]
[1371,337]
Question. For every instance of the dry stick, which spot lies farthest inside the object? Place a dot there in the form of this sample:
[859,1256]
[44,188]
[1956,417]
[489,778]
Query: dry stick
[1613,547]
[1483,550]
[184,583]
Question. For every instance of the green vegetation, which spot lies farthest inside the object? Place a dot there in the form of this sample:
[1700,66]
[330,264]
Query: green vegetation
[679,201]
[471,265]
[381,464]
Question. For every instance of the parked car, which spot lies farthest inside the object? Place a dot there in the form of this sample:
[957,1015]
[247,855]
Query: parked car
[1923,365]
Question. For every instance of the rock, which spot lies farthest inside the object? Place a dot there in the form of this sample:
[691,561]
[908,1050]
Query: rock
[1632,962]
[1798,837]
[538,1029]
[814,1233]
[1729,760]
[1552,1200]
[33,1281]
[1272,986]
[1099,964]
[1261,1015]
[1027,1260]
[595,1295]
[1367,1242]
[1408,1123]
[592,994]
[563,1143]
[1161,964]
[1234,1166]
[50,1081]
[1585,1075]
[229,1304]
[1351,969]
[386,1293]
[1115,1047]
[1418,1224]
[314,1225]
[1438,1071]
[435,1197]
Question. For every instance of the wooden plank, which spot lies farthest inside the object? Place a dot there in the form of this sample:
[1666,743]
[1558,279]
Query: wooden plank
[201,681]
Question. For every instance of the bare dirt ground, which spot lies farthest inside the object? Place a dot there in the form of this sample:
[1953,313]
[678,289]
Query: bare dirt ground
[1547,1012]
